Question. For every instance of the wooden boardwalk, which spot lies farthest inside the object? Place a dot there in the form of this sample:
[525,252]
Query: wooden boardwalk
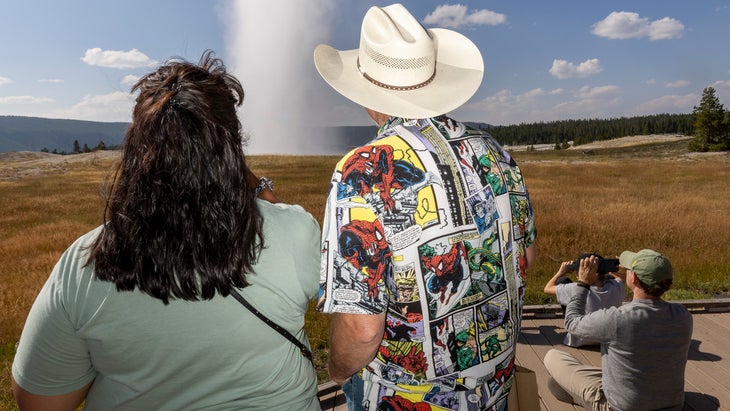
[707,376]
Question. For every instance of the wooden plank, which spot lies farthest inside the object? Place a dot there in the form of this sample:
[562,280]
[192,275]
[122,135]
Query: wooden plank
[704,388]
[531,348]
[554,331]
[708,368]
[694,400]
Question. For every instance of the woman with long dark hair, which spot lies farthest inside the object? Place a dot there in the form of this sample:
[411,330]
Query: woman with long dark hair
[137,313]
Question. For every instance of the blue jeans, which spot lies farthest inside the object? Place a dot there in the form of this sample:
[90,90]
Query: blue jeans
[354,393]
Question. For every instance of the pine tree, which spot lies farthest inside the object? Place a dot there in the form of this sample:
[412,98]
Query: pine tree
[710,128]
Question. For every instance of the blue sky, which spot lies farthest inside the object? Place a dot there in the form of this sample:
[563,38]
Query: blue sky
[544,60]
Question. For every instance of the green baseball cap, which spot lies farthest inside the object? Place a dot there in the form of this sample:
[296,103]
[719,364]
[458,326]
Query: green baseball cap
[649,265]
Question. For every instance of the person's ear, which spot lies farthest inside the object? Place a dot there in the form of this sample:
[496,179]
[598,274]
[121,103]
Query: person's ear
[633,279]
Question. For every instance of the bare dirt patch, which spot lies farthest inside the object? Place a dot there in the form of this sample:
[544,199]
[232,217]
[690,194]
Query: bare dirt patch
[613,143]
[28,163]
[632,141]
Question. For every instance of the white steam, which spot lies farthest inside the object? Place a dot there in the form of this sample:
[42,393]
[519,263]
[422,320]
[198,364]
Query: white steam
[269,48]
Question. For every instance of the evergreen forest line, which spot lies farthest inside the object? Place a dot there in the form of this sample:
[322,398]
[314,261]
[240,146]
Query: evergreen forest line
[590,130]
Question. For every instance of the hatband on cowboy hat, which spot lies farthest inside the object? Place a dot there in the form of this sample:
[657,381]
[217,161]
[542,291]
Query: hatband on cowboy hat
[401,68]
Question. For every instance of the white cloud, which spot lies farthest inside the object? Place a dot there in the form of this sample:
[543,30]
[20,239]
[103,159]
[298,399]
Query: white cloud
[456,15]
[564,69]
[117,59]
[502,107]
[50,80]
[130,80]
[116,106]
[25,100]
[589,106]
[5,80]
[536,105]
[651,81]
[668,104]
[627,25]
[666,28]
[721,84]
[677,84]
[586,92]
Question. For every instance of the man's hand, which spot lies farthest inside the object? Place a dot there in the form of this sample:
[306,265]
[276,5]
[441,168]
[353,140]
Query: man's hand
[588,271]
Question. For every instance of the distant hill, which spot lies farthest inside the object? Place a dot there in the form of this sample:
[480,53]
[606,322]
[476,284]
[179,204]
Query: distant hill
[19,133]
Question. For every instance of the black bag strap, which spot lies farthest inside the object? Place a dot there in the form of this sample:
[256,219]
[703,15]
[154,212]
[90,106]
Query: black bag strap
[302,348]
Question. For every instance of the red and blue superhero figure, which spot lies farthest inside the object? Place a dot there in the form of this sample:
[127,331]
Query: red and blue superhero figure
[446,269]
[363,244]
[396,403]
[374,167]
[413,360]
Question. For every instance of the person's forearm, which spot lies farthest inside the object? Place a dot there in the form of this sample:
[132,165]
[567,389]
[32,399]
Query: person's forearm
[576,308]
[530,255]
[552,284]
[354,342]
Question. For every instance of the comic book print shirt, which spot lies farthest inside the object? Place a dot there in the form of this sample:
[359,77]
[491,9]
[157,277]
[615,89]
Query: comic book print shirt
[430,222]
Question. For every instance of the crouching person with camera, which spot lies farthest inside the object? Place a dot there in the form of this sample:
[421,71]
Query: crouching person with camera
[644,343]
[606,291]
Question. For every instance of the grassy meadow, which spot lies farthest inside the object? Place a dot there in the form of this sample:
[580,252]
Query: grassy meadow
[605,201]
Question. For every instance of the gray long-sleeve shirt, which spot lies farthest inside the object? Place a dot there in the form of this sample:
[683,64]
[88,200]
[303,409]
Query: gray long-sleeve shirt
[644,347]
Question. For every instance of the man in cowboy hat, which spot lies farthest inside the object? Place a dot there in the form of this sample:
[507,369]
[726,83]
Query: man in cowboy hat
[644,344]
[402,207]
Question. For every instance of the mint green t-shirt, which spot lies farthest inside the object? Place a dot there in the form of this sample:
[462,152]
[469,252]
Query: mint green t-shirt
[193,355]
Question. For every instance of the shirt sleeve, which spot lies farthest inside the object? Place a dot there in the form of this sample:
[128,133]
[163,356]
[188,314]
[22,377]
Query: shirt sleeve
[51,358]
[562,294]
[355,256]
[599,325]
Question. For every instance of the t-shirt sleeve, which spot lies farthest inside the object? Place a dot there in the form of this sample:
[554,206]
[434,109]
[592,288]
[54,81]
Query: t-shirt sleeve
[354,256]
[308,261]
[51,358]
[563,293]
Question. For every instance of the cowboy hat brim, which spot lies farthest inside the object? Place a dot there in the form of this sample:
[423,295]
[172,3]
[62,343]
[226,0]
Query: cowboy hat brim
[459,72]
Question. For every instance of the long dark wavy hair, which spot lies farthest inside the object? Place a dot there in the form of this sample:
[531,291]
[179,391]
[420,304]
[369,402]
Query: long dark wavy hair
[181,220]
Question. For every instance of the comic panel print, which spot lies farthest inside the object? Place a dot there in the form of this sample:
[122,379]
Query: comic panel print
[483,209]
[495,327]
[404,289]
[391,179]
[445,274]
[472,336]
[406,358]
[359,259]
[480,164]
[460,271]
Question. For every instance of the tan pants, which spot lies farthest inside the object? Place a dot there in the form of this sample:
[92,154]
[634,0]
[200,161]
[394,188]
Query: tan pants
[582,382]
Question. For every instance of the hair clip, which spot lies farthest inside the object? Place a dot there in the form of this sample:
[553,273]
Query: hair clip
[173,102]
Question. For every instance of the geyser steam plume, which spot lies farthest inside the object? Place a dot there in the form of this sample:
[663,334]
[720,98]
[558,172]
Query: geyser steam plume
[269,47]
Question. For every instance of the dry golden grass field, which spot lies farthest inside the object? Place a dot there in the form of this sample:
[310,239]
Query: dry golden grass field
[605,200]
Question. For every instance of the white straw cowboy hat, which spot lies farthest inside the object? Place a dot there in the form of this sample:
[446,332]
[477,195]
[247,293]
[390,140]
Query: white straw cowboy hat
[401,68]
